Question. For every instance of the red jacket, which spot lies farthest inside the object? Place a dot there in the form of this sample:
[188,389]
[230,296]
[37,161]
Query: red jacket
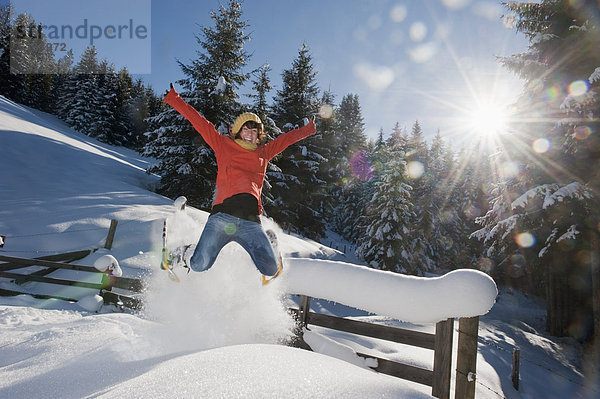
[238,170]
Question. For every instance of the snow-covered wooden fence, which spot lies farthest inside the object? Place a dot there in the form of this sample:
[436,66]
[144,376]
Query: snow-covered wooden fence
[102,281]
[462,294]
[105,280]
[439,376]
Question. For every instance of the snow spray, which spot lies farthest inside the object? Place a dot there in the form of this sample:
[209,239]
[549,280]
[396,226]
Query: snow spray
[225,305]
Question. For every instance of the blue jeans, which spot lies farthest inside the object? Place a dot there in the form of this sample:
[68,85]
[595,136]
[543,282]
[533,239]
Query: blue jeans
[220,230]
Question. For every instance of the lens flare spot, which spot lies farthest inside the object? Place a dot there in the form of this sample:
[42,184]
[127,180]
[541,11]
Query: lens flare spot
[415,169]
[509,169]
[376,77]
[374,22]
[517,267]
[325,111]
[446,216]
[423,52]
[471,212]
[579,87]
[510,21]
[398,13]
[525,240]
[446,242]
[541,145]
[485,264]
[361,166]
[455,4]
[230,229]
[553,93]
[582,132]
[417,31]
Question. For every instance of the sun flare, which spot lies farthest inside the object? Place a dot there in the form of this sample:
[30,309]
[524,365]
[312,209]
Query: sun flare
[487,119]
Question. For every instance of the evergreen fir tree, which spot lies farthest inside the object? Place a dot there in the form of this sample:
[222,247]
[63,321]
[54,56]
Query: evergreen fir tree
[399,138]
[185,163]
[299,193]
[350,167]
[10,84]
[33,60]
[349,138]
[81,103]
[425,203]
[457,195]
[385,243]
[104,99]
[261,85]
[468,180]
[140,106]
[325,141]
[64,68]
[123,119]
[212,80]
[551,197]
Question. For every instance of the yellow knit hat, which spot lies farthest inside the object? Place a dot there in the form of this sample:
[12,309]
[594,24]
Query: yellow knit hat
[243,118]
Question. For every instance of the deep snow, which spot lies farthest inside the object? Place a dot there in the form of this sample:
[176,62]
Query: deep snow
[216,334]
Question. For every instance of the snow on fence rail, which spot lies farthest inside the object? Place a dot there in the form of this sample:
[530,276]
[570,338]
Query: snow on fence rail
[465,294]
[460,293]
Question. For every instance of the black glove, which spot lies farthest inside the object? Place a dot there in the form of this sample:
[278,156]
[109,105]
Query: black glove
[306,121]
[171,88]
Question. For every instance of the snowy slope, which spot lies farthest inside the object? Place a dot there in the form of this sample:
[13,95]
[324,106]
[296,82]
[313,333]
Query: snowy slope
[214,334]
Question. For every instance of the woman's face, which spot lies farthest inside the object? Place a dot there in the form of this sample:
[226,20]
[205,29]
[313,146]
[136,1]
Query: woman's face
[249,135]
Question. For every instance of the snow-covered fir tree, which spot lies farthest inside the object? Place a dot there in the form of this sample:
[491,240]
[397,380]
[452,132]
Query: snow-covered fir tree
[326,141]
[399,138]
[141,104]
[443,218]
[32,64]
[425,204]
[547,208]
[261,87]
[213,79]
[385,243]
[298,193]
[64,68]
[351,168]
[185,163]
[102,127]
[79,110]
[9,84]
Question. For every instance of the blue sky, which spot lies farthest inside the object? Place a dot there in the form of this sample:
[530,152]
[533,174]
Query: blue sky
[428,60]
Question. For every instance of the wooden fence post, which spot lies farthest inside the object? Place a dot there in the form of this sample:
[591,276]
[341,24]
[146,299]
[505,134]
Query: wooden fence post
[304,309]
[466,361]
[442,359]
[515,368]
[111,234]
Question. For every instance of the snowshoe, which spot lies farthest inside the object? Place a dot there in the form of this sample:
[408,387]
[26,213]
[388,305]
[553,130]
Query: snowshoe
[180,257]
[266,280]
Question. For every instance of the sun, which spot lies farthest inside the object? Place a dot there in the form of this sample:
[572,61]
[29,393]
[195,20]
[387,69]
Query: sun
[486,119]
